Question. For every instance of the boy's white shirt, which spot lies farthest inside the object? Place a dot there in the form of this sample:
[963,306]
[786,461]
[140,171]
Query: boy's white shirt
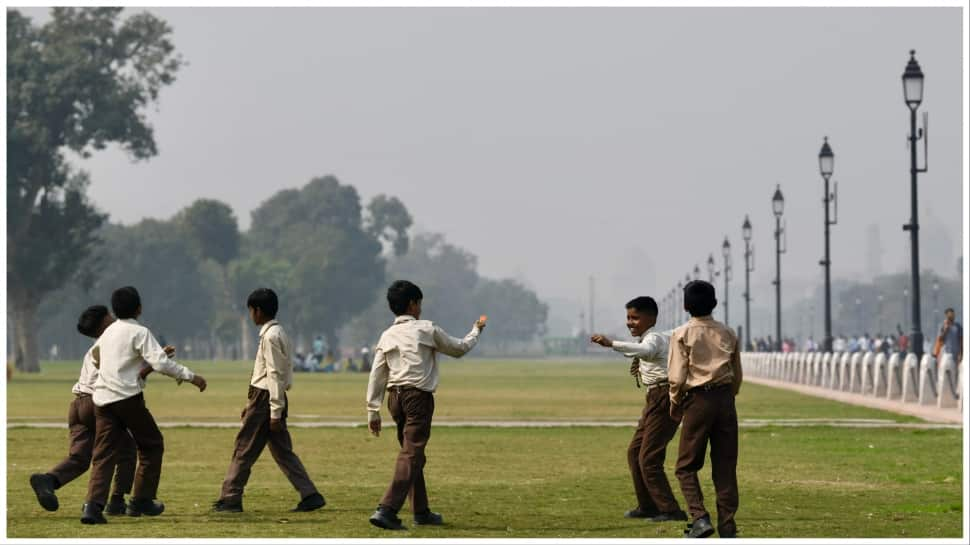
[88,378]
[273,368]
[121,353]
[652,348]
[406,356]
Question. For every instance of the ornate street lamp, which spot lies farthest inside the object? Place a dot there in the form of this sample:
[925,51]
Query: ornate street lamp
[913,95]
[726,252]
[778,208]
[748,269]
[826,165]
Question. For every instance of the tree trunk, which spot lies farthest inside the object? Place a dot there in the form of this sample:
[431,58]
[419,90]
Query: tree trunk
[244,344]
[25,331]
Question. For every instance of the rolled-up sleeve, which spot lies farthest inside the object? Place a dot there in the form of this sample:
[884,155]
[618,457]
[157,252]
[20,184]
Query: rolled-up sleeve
[456,348]
[276,372]
[153,354]
[677,360]
[376,385]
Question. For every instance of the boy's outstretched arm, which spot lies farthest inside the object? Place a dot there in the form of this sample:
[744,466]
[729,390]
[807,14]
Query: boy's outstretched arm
[155,356]
[376,385]
[456,348]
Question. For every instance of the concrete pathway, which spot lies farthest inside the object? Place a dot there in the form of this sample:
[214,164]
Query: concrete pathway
[748,423]
[930,413]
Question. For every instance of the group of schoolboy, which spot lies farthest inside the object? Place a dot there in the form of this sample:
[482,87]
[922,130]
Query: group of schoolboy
[690,374]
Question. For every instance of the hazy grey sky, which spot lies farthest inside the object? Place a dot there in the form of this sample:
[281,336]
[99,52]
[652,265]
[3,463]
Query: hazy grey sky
[560,143]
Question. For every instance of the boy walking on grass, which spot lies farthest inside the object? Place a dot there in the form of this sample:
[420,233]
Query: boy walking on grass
[81,423]
[120,355]
[648,448]
[405,364]
[705,375]
[264,418]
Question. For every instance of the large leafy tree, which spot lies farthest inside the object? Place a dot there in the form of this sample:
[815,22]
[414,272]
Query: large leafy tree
[334,248]
[79,82]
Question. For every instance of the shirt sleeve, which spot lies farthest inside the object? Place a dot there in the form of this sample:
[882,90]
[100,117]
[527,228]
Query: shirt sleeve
[376,385]
[153,354]
[677,361]
[276,363]
[647,349]
[456,348]
[736,368]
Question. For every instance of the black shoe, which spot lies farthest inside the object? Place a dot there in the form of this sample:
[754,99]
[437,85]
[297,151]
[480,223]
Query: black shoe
[116,506]
[140,506]
[310,503]
[667,517]
[43,485]
[428,518]
[91,514]
[701,527]
[384,518]
[639,513]
[222,506]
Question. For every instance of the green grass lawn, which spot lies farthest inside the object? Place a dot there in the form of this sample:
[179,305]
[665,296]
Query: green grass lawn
[469,390]
[489,482]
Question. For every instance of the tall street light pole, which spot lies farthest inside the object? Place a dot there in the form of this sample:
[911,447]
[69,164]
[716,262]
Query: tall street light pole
[748,269]
[778,208]
[913,94]
[826,164]
[726,252]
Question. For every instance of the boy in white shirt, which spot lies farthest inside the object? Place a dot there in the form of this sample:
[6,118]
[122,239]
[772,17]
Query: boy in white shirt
[264,418]
[120,355]
[406,364]
[81,423]
[648,448]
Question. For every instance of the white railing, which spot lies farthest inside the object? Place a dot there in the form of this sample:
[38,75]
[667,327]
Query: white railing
[902,378]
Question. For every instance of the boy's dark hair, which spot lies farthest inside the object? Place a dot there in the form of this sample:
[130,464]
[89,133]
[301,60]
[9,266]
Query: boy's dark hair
[125,302]
[265,300]
[400,295]
[89,322]
[949,309]
[644,304]
[699,299]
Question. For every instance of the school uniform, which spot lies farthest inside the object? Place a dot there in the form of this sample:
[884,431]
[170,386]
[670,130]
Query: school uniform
[272,377]
[81,423]
[648,447]
[120,353]
[406,365]
[704,370]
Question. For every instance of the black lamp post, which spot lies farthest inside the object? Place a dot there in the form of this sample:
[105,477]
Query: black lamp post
[726,252]
[687,281]
[711,273]
[748,269]
[913,94]
[680,301]
[778,208]
[826,165]
[936,299]
[880,299]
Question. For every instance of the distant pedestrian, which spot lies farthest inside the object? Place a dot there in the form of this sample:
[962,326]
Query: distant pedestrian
[950,337]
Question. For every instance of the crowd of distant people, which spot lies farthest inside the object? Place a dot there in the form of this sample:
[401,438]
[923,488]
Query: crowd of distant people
[319,359]
[947,339]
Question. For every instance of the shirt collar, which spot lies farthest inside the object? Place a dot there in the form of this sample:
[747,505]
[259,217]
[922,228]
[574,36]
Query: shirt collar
[266,326]
[404,318]
[707,318]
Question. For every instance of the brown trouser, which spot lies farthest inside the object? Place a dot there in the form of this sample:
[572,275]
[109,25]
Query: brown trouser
[80,420]
[647,452]
[710,415]
[412,410]
[251,440]
[113,422]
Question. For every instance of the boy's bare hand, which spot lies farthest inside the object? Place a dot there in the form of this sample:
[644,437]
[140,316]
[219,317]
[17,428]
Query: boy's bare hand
[481,321]
[275,425]
[145,371]
[199,382]
[601,340]
[375,427]
[169,350]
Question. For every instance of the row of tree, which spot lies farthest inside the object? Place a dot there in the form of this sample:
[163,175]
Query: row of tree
[82,81]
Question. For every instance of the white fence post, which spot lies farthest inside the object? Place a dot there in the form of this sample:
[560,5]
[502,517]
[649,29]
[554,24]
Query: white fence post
[927,380]
[894,376]
[910,378]
[855,373]
[880,375]
[947,386]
